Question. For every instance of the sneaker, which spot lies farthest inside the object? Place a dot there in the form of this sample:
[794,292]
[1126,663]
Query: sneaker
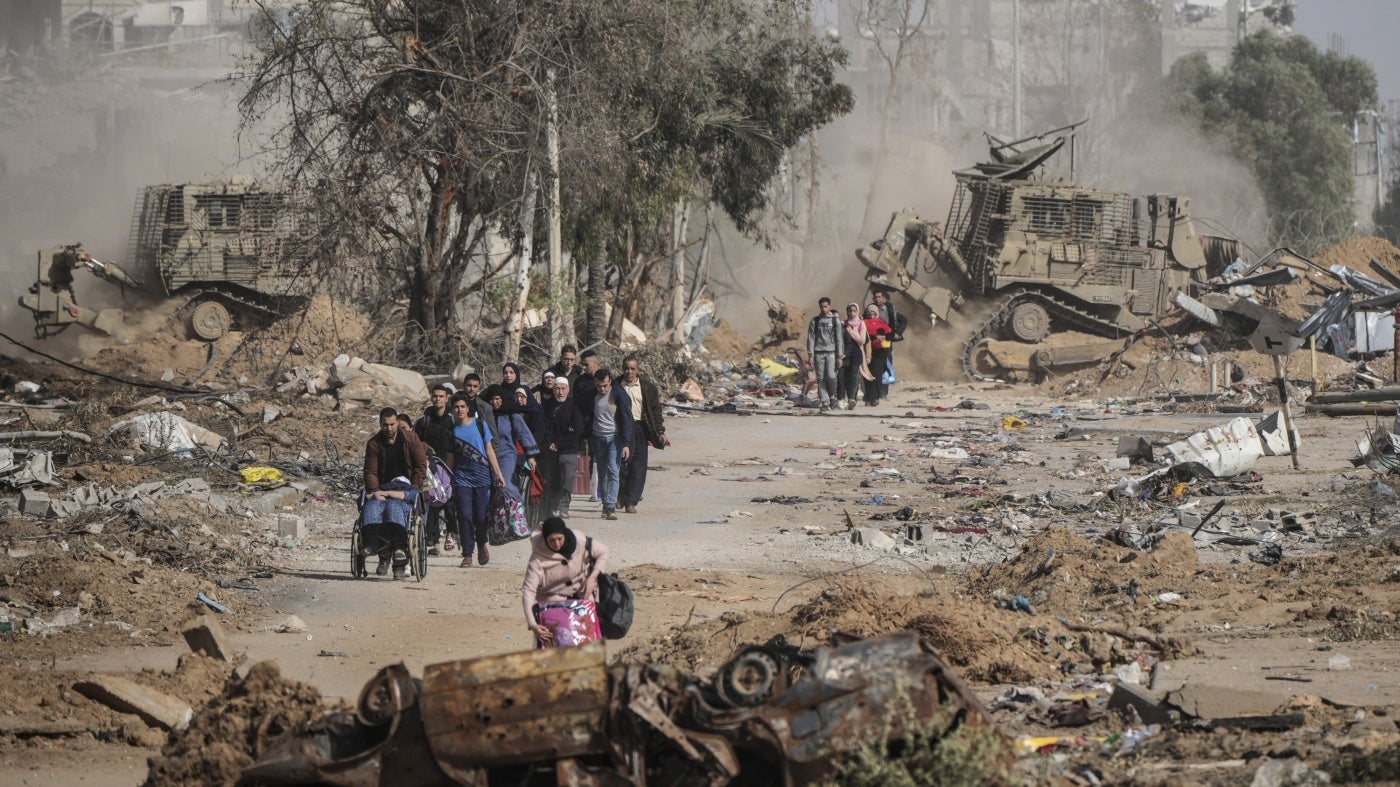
[466,562]
[433,551]
[383,567]
[400,572]
[841,405]
[610,513]
[483,554]
[449,544]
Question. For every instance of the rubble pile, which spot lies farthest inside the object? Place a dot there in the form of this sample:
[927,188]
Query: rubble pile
[222,738]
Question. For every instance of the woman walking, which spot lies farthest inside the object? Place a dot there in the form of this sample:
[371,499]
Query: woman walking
[473,464]
[560,592]
[880,347]
[853,367]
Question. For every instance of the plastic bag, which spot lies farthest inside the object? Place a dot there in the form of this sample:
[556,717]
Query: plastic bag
[506,518]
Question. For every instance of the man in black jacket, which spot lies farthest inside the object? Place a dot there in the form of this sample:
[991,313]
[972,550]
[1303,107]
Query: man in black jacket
[563,431]
[434,428]
[649,429]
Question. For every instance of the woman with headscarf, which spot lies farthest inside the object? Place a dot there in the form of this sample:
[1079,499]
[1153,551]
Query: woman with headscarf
[514,441]
[853,367]
[532,489]
[561,585]
[510,376]
[544,392]
[880,348]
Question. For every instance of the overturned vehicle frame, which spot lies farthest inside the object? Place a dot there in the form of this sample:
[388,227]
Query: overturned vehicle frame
[771,716]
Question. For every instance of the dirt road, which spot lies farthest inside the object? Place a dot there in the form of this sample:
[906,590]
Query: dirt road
[700,547]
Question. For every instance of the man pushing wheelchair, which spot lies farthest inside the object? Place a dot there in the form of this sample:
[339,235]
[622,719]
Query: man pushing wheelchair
[396,465]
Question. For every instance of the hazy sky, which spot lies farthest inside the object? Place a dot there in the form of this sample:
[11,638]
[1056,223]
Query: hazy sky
[1368,28]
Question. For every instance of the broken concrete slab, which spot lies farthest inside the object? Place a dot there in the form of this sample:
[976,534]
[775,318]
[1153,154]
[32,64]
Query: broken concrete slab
[1215,701]
[269,502]
[34,503]
[25,726]
[1149,707]
[205,635]
[872,538]
[154,708]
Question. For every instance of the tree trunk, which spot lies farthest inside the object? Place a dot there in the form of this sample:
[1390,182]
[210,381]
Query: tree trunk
[561,293]
[515,323]
[597,324]
[680,219]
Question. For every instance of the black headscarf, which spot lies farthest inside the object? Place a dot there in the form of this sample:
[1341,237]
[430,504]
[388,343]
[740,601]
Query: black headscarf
[555,526]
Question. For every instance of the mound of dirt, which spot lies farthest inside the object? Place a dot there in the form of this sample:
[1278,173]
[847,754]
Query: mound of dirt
[221,739]
[312,337]
[1302,297]
[985,643]
[726,343]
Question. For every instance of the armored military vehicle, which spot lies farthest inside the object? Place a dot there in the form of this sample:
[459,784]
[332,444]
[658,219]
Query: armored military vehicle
[230,250]
[1019,258]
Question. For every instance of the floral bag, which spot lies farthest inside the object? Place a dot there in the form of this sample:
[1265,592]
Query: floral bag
[506,518]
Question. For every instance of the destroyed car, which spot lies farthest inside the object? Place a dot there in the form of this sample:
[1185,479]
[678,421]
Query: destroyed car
[771,715]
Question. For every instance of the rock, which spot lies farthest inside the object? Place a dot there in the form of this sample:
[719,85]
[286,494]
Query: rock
[154,708]
[1291,772]
[205,635]
[26,726]
[292,625]
[872,538]
[378,384]
[289,526]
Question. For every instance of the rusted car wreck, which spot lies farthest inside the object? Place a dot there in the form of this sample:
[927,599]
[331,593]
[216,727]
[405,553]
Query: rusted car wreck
[772,715]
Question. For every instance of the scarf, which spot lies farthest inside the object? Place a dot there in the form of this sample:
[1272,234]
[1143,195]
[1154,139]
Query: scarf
[555,526]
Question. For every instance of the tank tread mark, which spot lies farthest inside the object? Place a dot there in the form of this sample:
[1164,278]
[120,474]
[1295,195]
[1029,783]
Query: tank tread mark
[1059,310]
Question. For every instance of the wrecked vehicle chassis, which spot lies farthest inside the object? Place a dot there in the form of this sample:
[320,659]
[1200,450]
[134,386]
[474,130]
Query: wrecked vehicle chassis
[561,716]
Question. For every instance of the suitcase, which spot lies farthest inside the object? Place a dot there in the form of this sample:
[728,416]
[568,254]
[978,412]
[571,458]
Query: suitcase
[583,479]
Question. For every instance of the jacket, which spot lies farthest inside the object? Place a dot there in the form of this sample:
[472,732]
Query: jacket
[564,428]
[622,412]
[415,456]
[549,577]
[509,429]
[897,322]
[653,425]
[824,334]
[434,431]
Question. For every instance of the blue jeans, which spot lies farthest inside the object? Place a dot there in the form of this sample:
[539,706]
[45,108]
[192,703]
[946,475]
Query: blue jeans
[472,503]
[607,459]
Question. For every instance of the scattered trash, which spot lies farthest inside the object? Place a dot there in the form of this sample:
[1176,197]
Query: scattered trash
[210,603]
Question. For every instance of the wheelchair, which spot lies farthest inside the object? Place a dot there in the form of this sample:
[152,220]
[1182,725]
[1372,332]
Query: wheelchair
[417,549]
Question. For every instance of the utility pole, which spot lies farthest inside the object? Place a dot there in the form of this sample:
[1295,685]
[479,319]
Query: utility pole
[1016,69]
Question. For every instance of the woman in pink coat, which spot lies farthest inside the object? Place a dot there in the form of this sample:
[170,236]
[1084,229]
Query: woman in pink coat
[561,585]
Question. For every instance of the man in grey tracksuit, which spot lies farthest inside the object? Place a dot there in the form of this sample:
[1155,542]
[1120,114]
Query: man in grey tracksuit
[823,345]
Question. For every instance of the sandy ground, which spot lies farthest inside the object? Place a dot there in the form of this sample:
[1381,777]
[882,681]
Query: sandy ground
[701,547]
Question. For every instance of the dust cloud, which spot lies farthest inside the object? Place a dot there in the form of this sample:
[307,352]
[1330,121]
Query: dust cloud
[75,150]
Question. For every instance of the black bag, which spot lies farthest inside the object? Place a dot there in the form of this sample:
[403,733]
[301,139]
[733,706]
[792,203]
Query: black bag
[616,604]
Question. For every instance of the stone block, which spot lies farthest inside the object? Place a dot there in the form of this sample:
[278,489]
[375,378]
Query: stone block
[872,538]
[289,526]
[32,502]
[154,708]
[205,635]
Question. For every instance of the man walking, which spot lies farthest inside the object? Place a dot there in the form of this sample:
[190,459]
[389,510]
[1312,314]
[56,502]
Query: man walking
[434,429]
[471,386]
[564,436]
[885,310]
[585,394]
[567,366]
[609,432]
[823,345]
[648,429]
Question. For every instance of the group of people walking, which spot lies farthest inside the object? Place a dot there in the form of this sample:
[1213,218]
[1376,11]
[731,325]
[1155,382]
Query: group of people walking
[522,441]
[855,356]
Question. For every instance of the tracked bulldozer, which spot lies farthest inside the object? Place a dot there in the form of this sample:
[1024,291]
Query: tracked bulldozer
[1020,258]
[230,251]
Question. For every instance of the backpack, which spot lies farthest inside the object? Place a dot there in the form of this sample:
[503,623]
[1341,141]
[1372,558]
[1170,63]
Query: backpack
[616,604]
